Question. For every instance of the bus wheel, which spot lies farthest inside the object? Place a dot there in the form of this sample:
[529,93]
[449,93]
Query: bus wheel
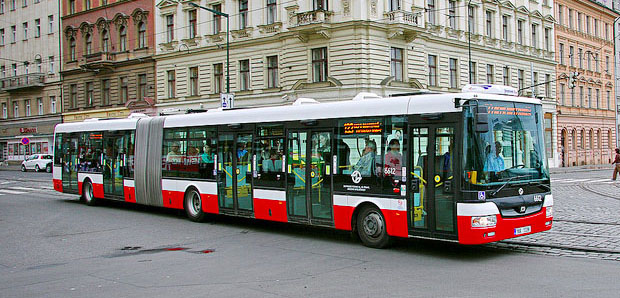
[87,194]
[193,205]
[371,228]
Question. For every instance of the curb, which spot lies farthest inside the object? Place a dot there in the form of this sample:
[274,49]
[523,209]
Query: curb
[565,247]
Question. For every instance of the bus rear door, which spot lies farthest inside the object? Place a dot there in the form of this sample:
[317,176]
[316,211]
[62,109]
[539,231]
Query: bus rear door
[235,172]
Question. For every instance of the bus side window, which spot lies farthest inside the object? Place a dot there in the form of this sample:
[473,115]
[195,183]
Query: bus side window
[269,151]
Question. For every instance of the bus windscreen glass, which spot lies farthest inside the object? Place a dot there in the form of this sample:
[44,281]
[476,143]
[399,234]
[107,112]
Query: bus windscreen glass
[513,148]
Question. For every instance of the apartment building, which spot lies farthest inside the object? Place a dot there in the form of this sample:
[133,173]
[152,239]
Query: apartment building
[29,77]
[108,70]
[587,102]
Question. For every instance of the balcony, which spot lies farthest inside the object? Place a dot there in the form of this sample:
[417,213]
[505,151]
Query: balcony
[403,17]
[34,80]
[98,61]
[312,17]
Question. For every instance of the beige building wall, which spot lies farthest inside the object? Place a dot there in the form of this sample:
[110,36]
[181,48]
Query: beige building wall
[586,120]
[359,37]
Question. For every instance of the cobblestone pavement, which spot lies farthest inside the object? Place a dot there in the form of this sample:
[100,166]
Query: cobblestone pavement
[586,219]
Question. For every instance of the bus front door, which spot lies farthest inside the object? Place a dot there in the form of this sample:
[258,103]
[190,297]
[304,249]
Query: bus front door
[431,206]
[70,163]
[235,166]
[112,163]
[309,179]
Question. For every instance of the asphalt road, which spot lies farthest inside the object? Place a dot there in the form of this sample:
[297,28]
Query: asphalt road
[54,246]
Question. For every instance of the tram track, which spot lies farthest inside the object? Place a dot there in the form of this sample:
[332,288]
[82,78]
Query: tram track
[587,188]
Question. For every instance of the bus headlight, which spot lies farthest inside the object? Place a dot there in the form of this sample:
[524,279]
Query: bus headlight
[483,221]
[549,211]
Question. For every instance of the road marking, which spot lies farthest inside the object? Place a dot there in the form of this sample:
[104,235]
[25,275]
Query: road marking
[13,192]
[25,188]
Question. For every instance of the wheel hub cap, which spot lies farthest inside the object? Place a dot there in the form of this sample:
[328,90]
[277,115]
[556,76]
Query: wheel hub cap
[373,225]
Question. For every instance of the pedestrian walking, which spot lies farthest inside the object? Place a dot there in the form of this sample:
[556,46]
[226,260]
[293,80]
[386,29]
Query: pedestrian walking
[617,162]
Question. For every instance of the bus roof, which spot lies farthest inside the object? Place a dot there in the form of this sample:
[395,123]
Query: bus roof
[401,105]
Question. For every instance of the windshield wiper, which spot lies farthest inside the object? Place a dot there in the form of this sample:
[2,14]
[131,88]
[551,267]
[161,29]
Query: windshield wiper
[506,183]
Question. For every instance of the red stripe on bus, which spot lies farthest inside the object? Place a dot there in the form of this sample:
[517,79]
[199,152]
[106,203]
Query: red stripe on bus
[396,222]
[79,188]
[58,185]
[97,190]
[173,199]
[504,229]
[130,194]
[209,203]
[342,217]
[270,210]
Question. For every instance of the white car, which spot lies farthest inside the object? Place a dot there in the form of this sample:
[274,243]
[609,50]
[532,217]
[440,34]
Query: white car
[38,162]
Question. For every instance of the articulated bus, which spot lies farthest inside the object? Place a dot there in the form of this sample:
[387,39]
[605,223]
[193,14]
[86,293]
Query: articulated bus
[462,167]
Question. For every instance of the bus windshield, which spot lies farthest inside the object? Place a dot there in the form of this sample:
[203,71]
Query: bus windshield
[513,148]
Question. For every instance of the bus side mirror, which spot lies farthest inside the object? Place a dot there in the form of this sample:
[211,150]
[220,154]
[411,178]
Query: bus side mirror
[482,120]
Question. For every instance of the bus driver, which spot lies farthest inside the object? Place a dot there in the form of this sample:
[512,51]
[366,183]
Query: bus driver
[494,162]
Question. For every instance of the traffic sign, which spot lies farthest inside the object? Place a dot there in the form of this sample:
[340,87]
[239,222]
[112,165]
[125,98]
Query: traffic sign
[25,141]
[227,100]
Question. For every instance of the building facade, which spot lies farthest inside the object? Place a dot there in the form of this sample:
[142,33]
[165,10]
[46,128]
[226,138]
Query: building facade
[333,49]
[108,69]
[586,88]
[29,77]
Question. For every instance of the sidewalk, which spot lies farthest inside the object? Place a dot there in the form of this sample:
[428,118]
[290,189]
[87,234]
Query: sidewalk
[10,167]
[586,168]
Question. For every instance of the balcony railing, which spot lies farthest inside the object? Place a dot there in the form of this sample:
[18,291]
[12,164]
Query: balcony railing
[313,17]
[402,17]
[22,82]
[98,57]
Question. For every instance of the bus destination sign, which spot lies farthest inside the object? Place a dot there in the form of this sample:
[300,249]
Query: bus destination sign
[363,127]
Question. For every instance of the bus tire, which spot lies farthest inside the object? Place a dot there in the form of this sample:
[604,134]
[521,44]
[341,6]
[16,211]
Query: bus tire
[193,205]
[371,228]
[87,193]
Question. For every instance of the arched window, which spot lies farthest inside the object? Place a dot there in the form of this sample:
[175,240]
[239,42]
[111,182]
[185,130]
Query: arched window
[609,140]
[591,138]
[599,140]
[88,44]
[141,35]
[583,139]
[122,39]
[105,41]
[573,143]
[72,49]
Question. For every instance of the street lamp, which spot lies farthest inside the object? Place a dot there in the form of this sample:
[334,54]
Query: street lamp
[219,13]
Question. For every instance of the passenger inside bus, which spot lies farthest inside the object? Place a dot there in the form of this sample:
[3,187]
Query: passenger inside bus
[366,163]
[174,156]
[393,159]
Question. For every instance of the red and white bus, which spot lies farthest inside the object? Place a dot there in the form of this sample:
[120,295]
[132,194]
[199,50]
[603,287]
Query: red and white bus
[465,167]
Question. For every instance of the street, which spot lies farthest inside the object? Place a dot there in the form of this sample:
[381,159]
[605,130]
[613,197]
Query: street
[54,246]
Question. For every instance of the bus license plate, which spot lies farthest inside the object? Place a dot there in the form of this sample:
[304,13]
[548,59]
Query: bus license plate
[523,230]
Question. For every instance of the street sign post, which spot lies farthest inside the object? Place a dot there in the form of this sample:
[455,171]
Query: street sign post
[227,100]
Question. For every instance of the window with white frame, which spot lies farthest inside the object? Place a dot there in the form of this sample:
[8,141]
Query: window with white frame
[432,70]
[142,92]
[490,74]
[5,113]
[272,71]
[394,5]
[430,5]
[319,64]
[244,75]
[50,24]
[170,28]
[40,105]
[454,76]
[396,63]
[217,19]
[271,11]
[473,73]
[505,35]
[506,75]
[489,23]
[452,14]
[53,104]
[37,28]
[243,14]
[15,109]
[218,78]
[172,85]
